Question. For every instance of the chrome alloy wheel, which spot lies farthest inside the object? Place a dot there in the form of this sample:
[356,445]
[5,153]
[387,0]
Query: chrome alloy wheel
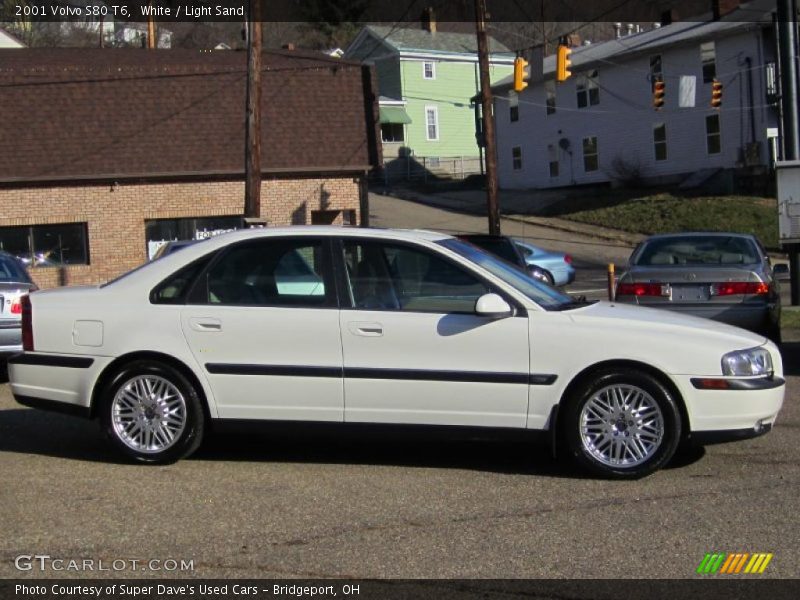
[148,413]
[621,426]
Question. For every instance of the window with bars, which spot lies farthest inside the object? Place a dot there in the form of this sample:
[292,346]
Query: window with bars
[590,154]
[713,136]
[588,89]
[47,245]
[660,141]
[516,158]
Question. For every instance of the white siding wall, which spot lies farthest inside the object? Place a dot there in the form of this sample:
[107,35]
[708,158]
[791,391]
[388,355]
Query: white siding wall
[623,120]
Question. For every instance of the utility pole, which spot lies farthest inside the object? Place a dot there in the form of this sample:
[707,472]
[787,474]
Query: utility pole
[488,118]
[252,188]
[790,128]
[151,29]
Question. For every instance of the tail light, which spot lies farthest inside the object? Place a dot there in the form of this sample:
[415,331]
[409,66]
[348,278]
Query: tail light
[732,288]
[27,323]
[643,289]
[568,259]
[16,307]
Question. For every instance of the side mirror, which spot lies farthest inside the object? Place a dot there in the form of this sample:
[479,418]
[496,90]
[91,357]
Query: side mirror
[493,306]
[537,274]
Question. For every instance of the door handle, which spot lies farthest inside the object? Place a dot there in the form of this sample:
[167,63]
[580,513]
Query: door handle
[205,324]
[365,329]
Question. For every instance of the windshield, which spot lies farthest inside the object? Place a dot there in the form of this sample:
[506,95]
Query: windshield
[545,296]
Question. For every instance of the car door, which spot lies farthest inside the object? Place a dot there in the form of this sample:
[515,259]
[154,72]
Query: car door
[262,320]
[414,349]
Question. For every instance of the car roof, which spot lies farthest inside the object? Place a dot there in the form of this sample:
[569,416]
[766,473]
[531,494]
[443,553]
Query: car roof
[690,234]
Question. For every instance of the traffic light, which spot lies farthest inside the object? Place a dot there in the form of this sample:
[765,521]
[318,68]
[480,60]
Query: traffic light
[716,93]
[519,74]
[658,94]
[563,63]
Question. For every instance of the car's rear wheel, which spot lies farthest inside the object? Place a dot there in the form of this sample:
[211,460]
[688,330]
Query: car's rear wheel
[152,413]
[623,424]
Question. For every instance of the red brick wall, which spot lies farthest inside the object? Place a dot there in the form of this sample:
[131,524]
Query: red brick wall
[115,216]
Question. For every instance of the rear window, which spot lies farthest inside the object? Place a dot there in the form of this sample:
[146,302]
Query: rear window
[697,250]
[502,247]
[12,271]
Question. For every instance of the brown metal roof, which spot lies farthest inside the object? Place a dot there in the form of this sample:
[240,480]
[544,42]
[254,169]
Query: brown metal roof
[130,112]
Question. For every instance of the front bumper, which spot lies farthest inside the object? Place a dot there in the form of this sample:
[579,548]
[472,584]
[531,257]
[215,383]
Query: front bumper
[747,408]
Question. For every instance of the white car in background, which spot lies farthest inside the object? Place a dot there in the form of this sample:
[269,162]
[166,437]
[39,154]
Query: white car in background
[399,327]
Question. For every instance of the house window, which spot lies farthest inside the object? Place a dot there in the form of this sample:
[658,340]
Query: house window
[590,154]
[552,157]
[656,73]
[47,245]
[713,141]
[428,70]
[660,141]
[708,56]
[392,132]
[516,158]
[513,104]
[588,89]
[432,123]
[550,96]
[160,231]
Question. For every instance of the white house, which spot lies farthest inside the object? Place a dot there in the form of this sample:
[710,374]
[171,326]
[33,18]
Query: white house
[600,125]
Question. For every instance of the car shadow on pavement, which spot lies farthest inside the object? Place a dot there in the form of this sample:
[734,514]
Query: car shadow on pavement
[394,450]
[28,431]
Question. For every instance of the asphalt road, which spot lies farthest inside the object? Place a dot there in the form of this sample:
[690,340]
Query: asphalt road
[255,505]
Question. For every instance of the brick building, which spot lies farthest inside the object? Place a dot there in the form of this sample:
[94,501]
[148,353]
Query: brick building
[108,153]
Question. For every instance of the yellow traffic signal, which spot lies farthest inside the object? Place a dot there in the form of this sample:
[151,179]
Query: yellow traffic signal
[716,94]
[519,74]
[658,94]
[563,63]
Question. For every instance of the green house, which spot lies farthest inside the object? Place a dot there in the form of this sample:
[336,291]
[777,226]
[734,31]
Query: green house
[426,80]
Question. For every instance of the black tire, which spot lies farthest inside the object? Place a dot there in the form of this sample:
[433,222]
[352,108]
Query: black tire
[148,431]
[588,445]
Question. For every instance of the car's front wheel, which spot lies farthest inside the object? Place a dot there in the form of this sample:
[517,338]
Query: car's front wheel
[622,424]
[152,413]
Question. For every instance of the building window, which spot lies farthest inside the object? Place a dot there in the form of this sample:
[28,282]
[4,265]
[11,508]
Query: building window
[713,142]
[392,132]
[708,56]
[550,96]
[588,89]
[516,158]
[552,157]
[513,104]
[432,123]
[428,70]
[160,231]
[590,162]
[47,245]
[656,72]
[660,141]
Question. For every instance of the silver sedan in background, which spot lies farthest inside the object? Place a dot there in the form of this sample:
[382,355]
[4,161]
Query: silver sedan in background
[14,283]
[722,276]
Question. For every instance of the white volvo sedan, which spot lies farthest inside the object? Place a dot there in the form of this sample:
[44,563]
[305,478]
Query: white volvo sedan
[381,327]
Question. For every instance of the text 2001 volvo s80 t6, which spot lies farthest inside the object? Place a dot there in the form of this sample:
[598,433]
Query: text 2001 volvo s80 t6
[385,327]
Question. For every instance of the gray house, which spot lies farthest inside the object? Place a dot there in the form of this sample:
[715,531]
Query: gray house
[601,125]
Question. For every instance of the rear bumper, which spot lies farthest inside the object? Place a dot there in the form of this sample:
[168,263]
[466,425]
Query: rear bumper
[10,338]
[56,382]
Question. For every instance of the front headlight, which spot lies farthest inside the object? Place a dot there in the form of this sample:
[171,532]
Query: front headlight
[746,363]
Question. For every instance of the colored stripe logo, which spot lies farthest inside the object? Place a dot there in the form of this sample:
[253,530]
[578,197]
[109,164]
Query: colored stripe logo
[735,563]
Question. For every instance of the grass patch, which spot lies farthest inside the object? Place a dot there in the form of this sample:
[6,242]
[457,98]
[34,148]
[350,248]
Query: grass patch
[666,213]
[790,319]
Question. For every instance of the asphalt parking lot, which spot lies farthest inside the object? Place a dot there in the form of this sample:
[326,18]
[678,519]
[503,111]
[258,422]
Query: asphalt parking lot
[257,505]
[251,505]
